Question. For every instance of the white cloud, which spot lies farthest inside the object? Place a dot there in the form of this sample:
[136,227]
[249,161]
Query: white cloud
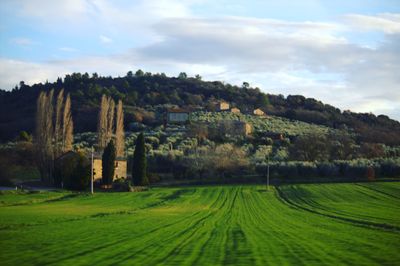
[23,41]
[307,57]
[387,22]
[68,49]
[105,39]
[55,11]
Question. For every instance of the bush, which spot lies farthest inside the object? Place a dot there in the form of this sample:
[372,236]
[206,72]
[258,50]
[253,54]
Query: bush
[73,171]
[122,185]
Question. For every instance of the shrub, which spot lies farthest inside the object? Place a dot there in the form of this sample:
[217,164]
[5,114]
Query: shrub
[73,171]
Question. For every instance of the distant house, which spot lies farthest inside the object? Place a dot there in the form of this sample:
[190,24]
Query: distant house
[221,106]
[235,110]
[119,172]
[258,112]
[234,128]
[177,116]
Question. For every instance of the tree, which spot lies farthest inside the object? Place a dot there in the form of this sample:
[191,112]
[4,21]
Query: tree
[182,75]
[102,122]
[44,135]
[68,126]
[262,100]
[108,163]
[24,136]
[119,130]
[310,147]
[105,121]
[139,73]
[139,175]
[110,119]
[54,131]
[73,169]
[58,124]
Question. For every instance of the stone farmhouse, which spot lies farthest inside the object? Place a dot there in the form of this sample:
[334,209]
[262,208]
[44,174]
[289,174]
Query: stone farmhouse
[258,112]
[221,106]
[119,172]
[235,110]
[177,116]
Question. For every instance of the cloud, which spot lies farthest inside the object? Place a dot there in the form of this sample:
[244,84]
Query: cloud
[387,22]
[319,59]
[68,49]
[294,56]
[56,11]
[23,41]
[105,39]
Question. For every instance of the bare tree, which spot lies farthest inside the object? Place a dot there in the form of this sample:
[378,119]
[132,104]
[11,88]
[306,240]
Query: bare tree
[54,131]
[105,126]
[110,119]
[58,130]
[45,135]
[40,140]
[102,122]
[68,126]
[119,130]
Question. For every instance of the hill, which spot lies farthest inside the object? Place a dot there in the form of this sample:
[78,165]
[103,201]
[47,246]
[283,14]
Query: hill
[146,95]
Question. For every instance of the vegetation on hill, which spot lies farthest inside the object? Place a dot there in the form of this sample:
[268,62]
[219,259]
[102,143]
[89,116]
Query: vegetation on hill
[145,95]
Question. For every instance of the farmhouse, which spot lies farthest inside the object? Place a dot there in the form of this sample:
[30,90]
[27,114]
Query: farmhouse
[258,112]
[235,110]
[221,106]
[120,168]
[177,116]
[234,128]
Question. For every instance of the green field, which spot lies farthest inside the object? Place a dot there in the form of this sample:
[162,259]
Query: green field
[329,224]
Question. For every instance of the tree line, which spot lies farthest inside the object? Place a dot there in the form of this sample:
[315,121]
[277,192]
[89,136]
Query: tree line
[144,89]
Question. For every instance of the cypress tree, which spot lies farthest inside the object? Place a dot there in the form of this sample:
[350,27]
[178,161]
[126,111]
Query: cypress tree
[139,176]
[108,163]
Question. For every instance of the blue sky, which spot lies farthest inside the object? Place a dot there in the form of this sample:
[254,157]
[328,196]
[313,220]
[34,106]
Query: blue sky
[345,53]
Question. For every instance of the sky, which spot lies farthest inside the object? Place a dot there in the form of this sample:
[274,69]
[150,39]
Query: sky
[344,52]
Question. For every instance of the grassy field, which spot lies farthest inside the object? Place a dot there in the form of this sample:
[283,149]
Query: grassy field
[327,224]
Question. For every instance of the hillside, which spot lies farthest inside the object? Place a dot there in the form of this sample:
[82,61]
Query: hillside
[146,96]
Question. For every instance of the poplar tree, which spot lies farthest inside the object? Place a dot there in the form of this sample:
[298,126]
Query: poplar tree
[58,136]
[45,135]
[105,123]
[68,126]
[110,119]
[54,131]
[102,122]
[119,130]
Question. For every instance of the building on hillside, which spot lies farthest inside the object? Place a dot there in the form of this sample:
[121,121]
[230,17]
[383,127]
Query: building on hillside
[221,106]
[233,128]
[235,110]
[258,112]
[119,172]
[177,116]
